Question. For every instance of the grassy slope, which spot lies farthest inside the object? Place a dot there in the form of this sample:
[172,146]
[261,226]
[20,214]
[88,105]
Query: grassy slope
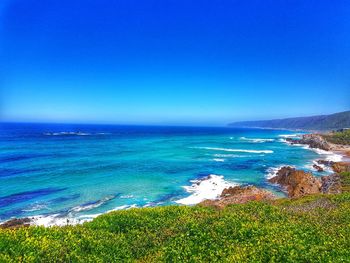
[311,229]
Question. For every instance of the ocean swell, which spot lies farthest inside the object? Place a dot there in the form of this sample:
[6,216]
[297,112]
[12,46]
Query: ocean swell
[92,205]
[295,135]
[257,140]
[234,150]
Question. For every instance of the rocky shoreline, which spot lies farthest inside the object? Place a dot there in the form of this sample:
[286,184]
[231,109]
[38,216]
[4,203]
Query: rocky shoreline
[239,195]
[295,183]
[16,222]
[314,141]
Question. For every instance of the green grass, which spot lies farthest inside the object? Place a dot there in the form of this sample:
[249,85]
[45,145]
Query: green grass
[339,137]
[311,229]
[345,181]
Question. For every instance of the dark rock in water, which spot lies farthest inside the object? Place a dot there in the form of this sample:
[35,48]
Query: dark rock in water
[313,140]
[325,162]
[296,182]
[331,184]
[318,168]
[16,222]
[239,195]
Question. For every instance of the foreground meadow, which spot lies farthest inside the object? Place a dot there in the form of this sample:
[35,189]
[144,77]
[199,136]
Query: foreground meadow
[310,229]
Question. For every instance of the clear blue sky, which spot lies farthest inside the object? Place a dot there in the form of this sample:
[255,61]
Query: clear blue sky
[173,61]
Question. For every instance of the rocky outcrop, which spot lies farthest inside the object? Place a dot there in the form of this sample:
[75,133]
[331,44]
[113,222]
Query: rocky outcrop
[340,167]
[239,195]
[318,168]
[326,162]
[331,184]
[297,183]
[313,140]
[16,222]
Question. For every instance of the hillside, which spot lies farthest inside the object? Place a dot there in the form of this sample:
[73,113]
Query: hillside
[320,123]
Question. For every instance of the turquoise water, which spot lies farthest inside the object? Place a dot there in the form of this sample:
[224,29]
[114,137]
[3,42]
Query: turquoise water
[76,172]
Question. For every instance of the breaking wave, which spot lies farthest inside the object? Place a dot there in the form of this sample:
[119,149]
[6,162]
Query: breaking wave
[258,140]
[70,133]
[209,187]
[295,135]
[70,219]
[235,150]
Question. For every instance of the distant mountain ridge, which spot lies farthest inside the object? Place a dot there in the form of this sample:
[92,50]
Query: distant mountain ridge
[317,123]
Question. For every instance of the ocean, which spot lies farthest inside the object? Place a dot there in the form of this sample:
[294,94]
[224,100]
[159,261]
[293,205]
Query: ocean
[62,173]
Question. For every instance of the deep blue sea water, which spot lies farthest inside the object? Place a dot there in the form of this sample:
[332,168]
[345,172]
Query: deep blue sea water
[76,172]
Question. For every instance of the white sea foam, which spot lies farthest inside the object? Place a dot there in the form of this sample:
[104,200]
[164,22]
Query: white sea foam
[126,196]
[328,155]
[285,141]
[230,155]
[80,208]
[310,166]
[56,220]
[208,188]
[235,150]
[257,140]
[92,205]
[35,207]
[218,159]
[295,135]
[71,133]
[66,133]
[70,219]
[123,207]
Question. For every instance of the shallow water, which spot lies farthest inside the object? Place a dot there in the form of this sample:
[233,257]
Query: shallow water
[75,172]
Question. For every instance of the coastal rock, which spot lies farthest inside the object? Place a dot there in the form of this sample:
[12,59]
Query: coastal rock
[340,167]
[296,182]
[318,168]
[16,222]
[313,140]
[239,195]
[325,162]
[331,184]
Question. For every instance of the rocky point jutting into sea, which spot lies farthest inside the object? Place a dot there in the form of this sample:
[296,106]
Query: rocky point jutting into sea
[295,183]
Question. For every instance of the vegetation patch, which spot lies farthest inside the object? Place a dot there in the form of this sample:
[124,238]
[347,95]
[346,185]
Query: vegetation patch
[254,232]
[341,137]
[345,181]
